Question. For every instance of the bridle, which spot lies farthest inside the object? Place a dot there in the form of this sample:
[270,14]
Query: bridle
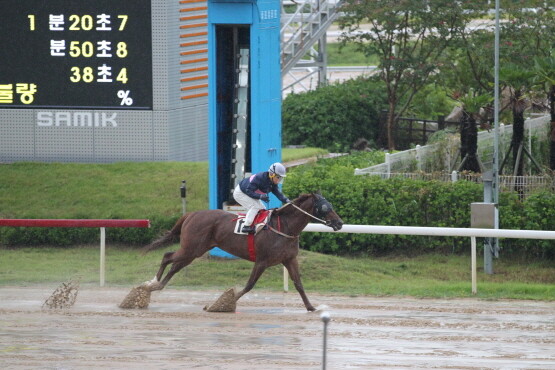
[321,205]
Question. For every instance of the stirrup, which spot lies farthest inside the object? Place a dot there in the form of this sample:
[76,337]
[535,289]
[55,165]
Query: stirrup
[248,229]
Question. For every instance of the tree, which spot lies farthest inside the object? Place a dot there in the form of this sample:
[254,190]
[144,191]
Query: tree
[409,36]
[528,39]
[526,33]
[518,82]
[471,105]
[545,77]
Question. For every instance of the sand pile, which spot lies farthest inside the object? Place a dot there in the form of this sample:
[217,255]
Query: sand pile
[63,297]
[138,297]
[226,302]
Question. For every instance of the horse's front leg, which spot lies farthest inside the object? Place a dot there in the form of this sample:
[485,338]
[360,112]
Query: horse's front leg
[257,270]
[293,267]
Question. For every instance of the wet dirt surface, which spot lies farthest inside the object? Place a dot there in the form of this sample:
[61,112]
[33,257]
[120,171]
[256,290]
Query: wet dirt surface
[272,331]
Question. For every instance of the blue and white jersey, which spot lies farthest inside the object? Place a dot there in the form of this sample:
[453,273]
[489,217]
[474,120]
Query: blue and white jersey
[259,184]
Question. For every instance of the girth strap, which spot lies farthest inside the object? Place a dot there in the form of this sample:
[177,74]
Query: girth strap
[252,251]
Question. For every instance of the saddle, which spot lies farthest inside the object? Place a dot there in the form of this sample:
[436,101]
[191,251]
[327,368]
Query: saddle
[260,221]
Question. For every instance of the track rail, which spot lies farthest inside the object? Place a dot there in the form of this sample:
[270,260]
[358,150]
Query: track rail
[102,224]
[17,222]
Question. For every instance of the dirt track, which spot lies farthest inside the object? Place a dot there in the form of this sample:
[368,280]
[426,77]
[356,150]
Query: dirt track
[272,331]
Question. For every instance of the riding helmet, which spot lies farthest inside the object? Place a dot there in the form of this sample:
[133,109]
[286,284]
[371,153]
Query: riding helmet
[277,169]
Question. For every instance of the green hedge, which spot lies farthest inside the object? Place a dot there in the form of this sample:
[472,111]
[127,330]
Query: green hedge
[335,116]
[370,200]
[121,190]
[63,237]
[363,200]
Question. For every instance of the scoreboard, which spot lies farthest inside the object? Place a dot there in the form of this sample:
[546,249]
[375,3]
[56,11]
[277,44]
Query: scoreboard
[99,81]
[76,54]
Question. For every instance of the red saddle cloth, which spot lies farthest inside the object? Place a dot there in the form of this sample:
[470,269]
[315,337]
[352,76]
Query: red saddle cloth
[260,218]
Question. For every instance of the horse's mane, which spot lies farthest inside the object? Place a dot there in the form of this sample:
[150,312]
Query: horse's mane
[297,201]
[301,198]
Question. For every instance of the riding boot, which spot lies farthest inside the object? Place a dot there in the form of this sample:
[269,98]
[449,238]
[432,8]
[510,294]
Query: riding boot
[248,229]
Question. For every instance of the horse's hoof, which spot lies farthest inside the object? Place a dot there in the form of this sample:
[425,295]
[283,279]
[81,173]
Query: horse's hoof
[310,309]
[151,284]
[154,286]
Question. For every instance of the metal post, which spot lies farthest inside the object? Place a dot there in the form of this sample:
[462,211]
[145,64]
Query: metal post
[102,254]
[473,263]
[488,242]
[495,243]
[388,164]
[441,122]
[325,316]
[418,157]
[183,195]
[322,61]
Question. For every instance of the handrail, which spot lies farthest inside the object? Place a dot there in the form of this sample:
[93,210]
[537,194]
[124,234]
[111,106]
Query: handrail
[16,222]
[102,224]
[473,233]
[290,55]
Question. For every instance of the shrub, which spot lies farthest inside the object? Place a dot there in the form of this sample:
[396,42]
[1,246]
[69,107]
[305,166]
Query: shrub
[371,200]
[63,237]
[537,212]
[335,116]
[430,102]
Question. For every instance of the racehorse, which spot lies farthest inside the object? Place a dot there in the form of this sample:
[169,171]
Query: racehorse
[279,243]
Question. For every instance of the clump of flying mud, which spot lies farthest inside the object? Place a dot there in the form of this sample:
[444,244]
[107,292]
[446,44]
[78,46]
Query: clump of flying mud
[63,297]
[226,302]
[138,297]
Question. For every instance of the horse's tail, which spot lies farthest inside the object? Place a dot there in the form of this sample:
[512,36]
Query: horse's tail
[168,238]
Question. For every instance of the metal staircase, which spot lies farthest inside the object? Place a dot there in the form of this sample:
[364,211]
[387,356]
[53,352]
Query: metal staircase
[301,31]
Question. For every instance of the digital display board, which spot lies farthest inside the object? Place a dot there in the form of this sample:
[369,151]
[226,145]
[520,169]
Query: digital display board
[76,54]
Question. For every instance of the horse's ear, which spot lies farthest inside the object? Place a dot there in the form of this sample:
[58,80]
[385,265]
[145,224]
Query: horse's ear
[319,192]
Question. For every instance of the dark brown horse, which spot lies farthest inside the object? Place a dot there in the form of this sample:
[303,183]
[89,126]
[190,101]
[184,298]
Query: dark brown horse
[203,230]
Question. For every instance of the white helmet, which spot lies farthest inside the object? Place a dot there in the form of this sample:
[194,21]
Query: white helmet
[277,169]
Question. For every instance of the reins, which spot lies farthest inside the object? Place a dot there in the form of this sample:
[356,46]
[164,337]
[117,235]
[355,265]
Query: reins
[308,214]
[282,234]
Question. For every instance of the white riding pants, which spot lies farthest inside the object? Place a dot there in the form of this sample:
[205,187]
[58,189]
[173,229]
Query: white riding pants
[252,205]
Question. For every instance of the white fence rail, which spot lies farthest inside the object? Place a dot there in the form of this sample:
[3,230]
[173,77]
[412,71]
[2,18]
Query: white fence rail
[426,158]
[473,233]
[526,185]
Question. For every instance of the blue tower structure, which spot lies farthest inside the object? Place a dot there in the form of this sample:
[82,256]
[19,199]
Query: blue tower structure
[244,93]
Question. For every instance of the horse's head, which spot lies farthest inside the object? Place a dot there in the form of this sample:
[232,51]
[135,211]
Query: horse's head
[324,211]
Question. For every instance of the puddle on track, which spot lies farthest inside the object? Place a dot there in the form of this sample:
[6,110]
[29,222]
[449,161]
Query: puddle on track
[272,331]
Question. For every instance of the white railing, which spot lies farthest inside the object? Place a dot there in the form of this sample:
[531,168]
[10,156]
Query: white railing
[422,157]
[473,233]
[526,185]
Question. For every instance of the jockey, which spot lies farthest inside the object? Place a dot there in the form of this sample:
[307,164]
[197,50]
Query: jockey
[251,191]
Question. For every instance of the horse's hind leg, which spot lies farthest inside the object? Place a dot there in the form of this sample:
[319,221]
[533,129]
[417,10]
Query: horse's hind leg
[293,267]
[178,261]
[257,270]
[166,260]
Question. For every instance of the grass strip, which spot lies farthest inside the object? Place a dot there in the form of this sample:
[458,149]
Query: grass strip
[433,276]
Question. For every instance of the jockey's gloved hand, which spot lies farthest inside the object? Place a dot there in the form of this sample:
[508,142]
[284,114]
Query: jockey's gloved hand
[287,201]
[265,198]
